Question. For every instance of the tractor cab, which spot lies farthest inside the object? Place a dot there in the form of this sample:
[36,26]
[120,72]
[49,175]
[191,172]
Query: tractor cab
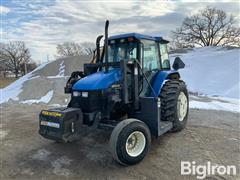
[150,52]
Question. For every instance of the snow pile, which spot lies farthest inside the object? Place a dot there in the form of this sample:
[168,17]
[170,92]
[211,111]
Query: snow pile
[213,74]
[45,99]
[61,71]
[13,90]
[45,84]
[211,71]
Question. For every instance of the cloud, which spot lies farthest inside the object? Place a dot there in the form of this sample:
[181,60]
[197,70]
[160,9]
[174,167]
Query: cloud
[44,24]
[4,10]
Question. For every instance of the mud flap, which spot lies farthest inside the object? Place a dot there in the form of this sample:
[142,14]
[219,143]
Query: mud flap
[60,124]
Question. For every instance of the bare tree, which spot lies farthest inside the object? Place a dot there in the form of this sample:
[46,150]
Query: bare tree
[3,69]
[30,66]
[69,49]
[89,47]
[210,27]
[13,54]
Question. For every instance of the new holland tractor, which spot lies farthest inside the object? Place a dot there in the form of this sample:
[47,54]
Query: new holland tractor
[130,89]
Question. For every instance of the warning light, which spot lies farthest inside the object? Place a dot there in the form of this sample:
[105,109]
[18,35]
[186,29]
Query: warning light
[130,39]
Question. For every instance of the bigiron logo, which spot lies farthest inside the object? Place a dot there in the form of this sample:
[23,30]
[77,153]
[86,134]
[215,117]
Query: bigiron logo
[208,169]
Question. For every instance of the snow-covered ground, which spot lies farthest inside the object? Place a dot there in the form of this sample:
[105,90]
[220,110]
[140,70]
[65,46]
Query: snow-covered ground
[45,99]
[214,103]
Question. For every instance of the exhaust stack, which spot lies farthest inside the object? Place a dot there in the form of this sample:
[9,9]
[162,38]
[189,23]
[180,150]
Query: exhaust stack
[106,44]
[98,47]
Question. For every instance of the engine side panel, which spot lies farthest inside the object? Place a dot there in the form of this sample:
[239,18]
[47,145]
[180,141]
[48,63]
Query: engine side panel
[97,81]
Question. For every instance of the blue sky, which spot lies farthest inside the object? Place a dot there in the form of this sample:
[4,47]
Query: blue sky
[44,23]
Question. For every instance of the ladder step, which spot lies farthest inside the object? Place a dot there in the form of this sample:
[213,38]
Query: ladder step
[165,126]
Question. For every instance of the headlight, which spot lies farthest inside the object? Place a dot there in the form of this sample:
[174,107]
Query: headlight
[76,93]
[115,86]
[84,94]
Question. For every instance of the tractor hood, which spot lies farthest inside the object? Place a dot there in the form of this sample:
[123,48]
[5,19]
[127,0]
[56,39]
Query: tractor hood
[97,81]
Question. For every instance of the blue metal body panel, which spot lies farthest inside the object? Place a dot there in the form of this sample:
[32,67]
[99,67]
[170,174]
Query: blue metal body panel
[158,81]
[97,81]
[136,35]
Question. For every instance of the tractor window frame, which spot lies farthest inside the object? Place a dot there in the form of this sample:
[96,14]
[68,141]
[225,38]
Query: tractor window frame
[115,49]
[160,57]
[143,42]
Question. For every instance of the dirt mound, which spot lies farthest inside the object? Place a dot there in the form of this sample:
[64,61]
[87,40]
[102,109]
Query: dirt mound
[68,64]
[45,84]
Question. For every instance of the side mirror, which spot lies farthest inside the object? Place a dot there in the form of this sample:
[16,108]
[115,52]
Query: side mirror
[178,64]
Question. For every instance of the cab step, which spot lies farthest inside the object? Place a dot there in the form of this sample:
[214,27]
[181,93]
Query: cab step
[164,127]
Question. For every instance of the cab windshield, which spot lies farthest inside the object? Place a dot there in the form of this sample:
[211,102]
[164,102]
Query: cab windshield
[122,51]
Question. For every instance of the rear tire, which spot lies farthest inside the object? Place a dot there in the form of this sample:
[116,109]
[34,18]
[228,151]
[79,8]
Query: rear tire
[130,141]
[175,104]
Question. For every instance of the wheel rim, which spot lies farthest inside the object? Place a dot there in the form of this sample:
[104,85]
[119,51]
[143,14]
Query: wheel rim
[135,144]
[182,106]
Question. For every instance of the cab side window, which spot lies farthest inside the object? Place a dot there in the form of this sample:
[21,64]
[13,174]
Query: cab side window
[150,59]
[164,56]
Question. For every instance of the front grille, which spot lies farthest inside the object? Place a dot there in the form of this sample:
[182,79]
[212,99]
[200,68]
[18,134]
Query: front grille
[94,102]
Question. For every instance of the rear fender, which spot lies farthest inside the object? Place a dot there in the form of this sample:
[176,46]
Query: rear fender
[160,79]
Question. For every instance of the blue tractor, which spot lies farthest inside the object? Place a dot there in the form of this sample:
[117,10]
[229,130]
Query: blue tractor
[129,89]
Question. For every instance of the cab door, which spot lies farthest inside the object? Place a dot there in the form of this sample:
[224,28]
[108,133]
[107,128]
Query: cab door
[150,63]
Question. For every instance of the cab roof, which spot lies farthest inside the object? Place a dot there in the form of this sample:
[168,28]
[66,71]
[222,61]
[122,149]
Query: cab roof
[139,37]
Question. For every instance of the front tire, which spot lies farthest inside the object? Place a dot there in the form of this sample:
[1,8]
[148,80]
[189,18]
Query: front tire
[175,104]
[130,141]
